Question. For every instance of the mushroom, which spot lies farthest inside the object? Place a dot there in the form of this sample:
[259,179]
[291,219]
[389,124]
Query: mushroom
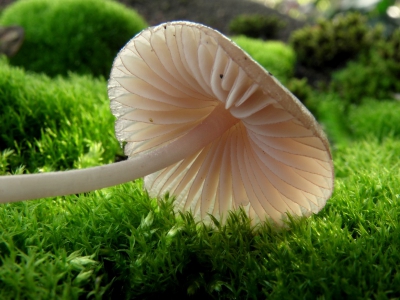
[11,39]
[202,120]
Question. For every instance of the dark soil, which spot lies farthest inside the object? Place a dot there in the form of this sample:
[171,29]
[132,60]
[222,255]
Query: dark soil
[214,13]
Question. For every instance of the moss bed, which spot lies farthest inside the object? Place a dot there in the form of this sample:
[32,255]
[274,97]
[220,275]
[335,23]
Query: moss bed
[117,243]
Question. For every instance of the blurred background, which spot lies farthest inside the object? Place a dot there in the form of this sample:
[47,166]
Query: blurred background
[218,13]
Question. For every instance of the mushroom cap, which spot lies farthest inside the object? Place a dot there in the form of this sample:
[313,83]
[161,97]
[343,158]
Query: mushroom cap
[273,160]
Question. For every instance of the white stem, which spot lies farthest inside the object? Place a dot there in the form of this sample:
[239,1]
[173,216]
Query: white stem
[33,186]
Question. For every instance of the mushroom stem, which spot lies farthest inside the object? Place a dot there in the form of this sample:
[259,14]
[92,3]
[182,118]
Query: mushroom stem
[33,186]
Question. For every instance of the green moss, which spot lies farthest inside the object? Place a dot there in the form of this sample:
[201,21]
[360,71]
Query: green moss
[375,74]
[359,80]
[390,48]
[276,57]
[256,26]
[54,123]
[73,35]
[300,88]
[117,243]
[332,113]
[344,122]
[375,119]
[330,43]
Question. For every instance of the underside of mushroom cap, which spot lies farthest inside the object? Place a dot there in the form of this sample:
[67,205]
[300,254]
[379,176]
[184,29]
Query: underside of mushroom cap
[273,160]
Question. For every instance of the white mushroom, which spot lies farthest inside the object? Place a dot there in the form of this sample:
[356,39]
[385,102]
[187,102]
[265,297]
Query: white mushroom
[203,121]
